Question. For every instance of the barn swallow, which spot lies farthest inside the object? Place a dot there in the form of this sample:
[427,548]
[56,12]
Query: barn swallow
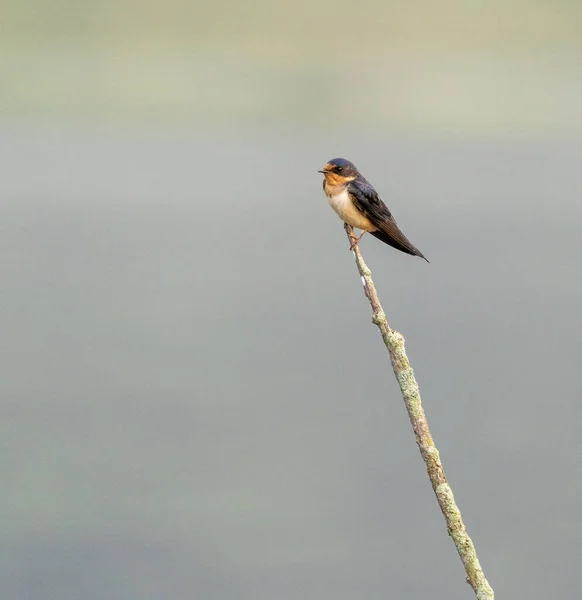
[358,204]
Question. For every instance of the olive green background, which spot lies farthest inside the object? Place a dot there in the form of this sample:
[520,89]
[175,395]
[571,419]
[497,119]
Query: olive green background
[194,402]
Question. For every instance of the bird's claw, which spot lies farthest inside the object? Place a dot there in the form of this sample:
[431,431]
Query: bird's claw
[355,241]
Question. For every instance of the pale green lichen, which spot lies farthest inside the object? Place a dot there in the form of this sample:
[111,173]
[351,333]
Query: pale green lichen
[394,342]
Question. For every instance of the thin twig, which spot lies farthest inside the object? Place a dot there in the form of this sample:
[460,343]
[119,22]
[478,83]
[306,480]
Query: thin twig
[394,342]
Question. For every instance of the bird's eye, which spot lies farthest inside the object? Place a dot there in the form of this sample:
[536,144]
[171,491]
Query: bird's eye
[339,169]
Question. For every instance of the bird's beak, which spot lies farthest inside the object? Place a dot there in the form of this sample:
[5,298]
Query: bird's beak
[324,172]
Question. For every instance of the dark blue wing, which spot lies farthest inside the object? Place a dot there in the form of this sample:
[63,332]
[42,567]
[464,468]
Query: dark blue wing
[367,201]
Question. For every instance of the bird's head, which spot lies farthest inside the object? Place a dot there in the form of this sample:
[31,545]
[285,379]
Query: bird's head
[339,171]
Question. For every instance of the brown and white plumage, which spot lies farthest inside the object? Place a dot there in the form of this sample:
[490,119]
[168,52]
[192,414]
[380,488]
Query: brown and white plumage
[358,204]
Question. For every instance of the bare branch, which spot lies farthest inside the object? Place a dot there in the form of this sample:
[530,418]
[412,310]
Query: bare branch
[394,342]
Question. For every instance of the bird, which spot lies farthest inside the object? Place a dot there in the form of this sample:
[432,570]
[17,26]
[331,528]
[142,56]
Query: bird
[358,204]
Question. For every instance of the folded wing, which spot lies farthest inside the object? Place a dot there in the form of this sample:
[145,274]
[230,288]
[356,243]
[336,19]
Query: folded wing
[367,201]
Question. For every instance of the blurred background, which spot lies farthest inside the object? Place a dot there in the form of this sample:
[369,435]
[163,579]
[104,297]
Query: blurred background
[194,402]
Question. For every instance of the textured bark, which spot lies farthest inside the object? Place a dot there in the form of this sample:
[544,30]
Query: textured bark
[394,342]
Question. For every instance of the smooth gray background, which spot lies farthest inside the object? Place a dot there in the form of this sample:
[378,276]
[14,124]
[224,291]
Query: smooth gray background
[194,403]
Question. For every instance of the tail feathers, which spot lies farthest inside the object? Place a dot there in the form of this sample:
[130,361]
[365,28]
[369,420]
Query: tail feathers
[401,243]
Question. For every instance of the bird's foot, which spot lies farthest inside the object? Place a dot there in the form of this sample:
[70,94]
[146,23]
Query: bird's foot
[355,241]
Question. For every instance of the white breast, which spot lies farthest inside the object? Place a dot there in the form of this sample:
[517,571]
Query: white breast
[344,207]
